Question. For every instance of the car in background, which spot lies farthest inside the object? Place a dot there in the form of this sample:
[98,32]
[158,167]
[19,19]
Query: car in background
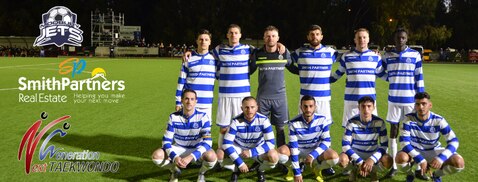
[427,55]
[418,48]
[388,48]
[374,47]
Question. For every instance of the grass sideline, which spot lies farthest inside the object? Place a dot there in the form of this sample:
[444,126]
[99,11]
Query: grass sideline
[129,131]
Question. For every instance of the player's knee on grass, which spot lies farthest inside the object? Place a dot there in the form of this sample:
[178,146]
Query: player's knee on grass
[159,158]
[272,156]
[344,160]
[456,161]
[329,154]
[284,149]
[402,158]
[209,156]
[159,154]
[386,161]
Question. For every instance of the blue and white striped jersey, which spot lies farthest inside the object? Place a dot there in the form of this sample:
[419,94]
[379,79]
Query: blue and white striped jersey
[191,132]
[405,75]
[255,135]
[315,66]
[361,69]
[233,70]
[302,136]
[417,135]
[365,137]
[198,74]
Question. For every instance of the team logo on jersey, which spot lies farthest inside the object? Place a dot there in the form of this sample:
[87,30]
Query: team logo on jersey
[281,57]
[323,55]
[432,129]
[195,126]
[59,27]
[408,60]
[317,129]
[243,51]
[370,58]
[257,129]
[211,62]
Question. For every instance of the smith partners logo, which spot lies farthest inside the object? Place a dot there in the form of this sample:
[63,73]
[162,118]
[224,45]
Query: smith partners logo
[72,67]
[61,161]
[59,27]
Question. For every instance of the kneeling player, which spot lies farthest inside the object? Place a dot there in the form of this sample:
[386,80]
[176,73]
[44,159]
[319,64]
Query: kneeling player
[309,141]
[250,136]
[419,140]
[190,130]
[365,143]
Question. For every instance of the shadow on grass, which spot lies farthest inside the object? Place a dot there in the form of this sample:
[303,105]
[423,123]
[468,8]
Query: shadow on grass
[143,169]
[141,147]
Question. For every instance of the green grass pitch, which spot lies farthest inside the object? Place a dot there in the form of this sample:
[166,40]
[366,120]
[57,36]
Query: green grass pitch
[129,131]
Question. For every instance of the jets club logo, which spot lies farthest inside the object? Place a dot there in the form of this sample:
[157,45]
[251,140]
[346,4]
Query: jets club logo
[59,27]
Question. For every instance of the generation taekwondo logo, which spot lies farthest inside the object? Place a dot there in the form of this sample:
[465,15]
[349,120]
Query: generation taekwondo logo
[60,160]
[59,27]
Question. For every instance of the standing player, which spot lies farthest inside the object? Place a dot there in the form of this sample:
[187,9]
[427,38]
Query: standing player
[233,71]
[187,138]
[315,66]
[404,68]
[362,66]
[271,92]
[309,141]
[199,74]
[420,143]
[365,143]
[250,136]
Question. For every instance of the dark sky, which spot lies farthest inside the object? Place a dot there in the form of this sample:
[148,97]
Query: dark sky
[176,21]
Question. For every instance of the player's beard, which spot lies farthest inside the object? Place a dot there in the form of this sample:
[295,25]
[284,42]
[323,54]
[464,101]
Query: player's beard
[314,43]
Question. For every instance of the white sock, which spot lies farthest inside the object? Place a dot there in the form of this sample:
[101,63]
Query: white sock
[393,148]
[266,165]
[447,170]
[163,163]
[327,164]
[206,166]
[405,168]
[283,158]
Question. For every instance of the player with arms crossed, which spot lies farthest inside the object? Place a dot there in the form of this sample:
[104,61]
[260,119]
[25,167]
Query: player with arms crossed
[419,140]
[250,136]
[309,141]
[365,142]
[187,139]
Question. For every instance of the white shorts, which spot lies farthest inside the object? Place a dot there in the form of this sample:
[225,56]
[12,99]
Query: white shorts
[207,110]
[228,161]
[429,155]
[351,109]
[227,108]
[323,108]
[397,112]
[183,152]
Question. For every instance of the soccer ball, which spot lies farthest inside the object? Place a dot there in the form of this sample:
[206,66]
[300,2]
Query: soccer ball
[59,14]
